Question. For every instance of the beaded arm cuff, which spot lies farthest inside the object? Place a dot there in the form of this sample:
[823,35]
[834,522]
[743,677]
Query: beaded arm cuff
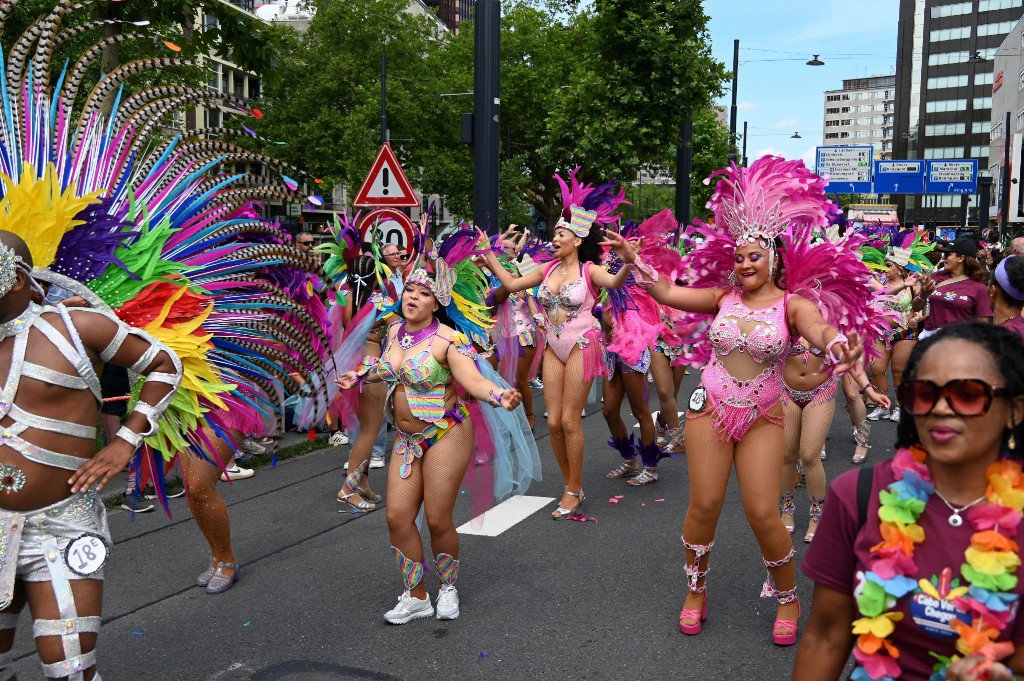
[368,364]
[839,338]
[130,436]
[644,274]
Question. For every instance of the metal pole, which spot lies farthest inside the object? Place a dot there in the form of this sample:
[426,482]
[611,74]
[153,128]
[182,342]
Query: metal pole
[486,107]
[385,134]
[732,109]
[1004,197]
[744,143]
[684,167]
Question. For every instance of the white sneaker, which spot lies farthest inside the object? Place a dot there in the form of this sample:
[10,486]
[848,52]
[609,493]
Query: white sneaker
[536,383]
[250,446]
[377,462]
[894,415]
[409,609]
[448,603]
[236,472]
[878,413]
[338,439]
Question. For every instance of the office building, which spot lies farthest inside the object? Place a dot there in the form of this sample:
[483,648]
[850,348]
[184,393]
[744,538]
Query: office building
[944,79]
[1007,99]
[452,12]
[862,113]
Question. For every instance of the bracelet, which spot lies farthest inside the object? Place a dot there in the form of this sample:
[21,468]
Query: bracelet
[644,274]
[130,436]
[494,399]
[867,388]
[839,338]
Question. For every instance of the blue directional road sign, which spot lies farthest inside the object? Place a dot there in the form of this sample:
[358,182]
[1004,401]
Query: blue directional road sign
[899,177]
[952,177]
[848,168]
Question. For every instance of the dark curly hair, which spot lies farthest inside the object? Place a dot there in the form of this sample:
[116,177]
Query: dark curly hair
[1004,347]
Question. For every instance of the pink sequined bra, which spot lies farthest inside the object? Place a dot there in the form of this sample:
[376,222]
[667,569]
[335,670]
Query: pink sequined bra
[768,341]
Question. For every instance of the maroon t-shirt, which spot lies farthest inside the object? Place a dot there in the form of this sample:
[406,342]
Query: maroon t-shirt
[839,552]
[1015,324]
[967,299]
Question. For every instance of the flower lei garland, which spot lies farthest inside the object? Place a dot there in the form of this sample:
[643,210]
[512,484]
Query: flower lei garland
[992,561]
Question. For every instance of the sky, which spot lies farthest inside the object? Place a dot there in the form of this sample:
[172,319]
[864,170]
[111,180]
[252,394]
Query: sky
[778,94]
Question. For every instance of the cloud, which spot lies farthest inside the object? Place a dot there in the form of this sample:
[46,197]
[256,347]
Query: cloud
[809,157]
[766,151]
[746,106]
[787,123]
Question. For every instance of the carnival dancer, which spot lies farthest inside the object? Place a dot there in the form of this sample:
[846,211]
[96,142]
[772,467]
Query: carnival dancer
[568,293]
[422,364]
[1006,293]
[734,274]
[54,528]
[916,566]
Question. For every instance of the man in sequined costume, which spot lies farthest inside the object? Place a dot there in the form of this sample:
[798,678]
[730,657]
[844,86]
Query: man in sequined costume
[53,531]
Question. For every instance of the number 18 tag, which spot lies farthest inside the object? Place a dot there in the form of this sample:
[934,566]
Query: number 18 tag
[86,554]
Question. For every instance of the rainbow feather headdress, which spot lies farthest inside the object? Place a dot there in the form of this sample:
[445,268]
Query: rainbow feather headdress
[584,205]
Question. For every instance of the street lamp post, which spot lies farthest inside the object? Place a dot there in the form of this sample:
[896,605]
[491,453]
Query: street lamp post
[732,109]
[486,107]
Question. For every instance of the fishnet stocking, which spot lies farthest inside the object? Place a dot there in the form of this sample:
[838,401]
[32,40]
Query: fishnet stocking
[565,392]
[667,379]
[523,381]
[805,432]
[758,460]
[434,484]
[879,369]
[900,354]
[204,500]
[632,386]
[372,404]
[854,401]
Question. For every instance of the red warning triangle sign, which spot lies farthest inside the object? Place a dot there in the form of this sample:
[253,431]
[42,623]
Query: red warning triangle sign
[386,184]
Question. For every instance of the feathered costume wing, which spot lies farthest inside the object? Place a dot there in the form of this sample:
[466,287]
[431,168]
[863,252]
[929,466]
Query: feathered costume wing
[146,228]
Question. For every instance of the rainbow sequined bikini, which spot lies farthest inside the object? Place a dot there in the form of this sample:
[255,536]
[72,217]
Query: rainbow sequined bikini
[425,381]
[738,404]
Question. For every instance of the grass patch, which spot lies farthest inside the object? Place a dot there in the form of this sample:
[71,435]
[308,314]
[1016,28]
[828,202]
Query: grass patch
[253,461]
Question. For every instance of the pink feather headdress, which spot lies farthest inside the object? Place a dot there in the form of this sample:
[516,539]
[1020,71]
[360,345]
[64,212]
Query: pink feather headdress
[584,205]
[764,199]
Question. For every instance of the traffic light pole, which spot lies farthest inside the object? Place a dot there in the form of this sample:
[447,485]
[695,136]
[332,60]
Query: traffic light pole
[486,107]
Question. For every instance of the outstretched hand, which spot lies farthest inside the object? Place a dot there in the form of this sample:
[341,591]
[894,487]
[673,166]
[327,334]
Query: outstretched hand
[347,380]
[625,250]
[511,398]
[852,349]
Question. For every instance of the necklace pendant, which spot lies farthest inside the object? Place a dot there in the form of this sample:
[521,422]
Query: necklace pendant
[955,520]
[405,341]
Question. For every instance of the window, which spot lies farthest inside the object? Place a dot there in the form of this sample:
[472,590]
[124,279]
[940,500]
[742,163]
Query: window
[863,121]
[997,131]
[947,81]
[943,105]
[984,78]
[844,135]
[878,120]
[952,10]
[831,124]
[989,5]
[982,102]
[944,129]
[863,133]
[831,135]
[832,98]
[846,109]
[981,127]
[832,110]
[1020,120]
[953,33]
[846,121]
[947,58]
[1002,28]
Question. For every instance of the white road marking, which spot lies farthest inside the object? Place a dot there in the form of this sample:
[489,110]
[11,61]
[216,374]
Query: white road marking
[503,516]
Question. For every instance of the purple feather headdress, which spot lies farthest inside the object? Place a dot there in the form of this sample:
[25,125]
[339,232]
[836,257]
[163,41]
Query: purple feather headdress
[598,203]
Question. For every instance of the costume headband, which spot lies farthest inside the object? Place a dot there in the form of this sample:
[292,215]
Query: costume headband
[9,265]
[440,285]
[900,256]
[1004,281]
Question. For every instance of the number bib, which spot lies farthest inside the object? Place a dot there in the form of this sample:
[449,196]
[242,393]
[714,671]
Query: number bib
[86,554]
[698,399]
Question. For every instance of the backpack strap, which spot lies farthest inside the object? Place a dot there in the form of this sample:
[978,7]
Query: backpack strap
[865,476]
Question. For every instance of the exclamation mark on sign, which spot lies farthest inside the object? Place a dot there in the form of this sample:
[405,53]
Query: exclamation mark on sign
[386,180]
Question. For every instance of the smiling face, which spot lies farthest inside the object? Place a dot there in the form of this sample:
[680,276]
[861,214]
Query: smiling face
[751,265]
[951,438]
[418,303]
[565,242]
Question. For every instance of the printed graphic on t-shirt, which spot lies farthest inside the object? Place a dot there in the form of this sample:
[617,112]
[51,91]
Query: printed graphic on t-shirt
[931,605]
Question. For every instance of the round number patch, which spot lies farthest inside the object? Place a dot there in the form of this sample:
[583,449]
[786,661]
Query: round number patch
[86,554]
[698,399]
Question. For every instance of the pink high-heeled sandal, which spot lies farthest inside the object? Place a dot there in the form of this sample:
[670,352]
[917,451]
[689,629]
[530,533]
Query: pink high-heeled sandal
[695,616]
[789,630]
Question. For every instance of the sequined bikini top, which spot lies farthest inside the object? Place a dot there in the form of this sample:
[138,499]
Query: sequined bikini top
[570,297]
[85,379]
[768,341]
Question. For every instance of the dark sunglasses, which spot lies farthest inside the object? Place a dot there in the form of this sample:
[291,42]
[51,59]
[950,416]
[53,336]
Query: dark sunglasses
[304,243]
[965,396]
[404,256]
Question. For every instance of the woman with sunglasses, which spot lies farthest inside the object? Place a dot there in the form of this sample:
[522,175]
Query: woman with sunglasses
[958,292]
[568,293]
[1006,293]
[736,416]
[917,561]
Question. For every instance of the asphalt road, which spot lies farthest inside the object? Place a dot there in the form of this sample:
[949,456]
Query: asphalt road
[544,600]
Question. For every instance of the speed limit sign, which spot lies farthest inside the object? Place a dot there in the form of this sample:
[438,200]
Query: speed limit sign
[387,226]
